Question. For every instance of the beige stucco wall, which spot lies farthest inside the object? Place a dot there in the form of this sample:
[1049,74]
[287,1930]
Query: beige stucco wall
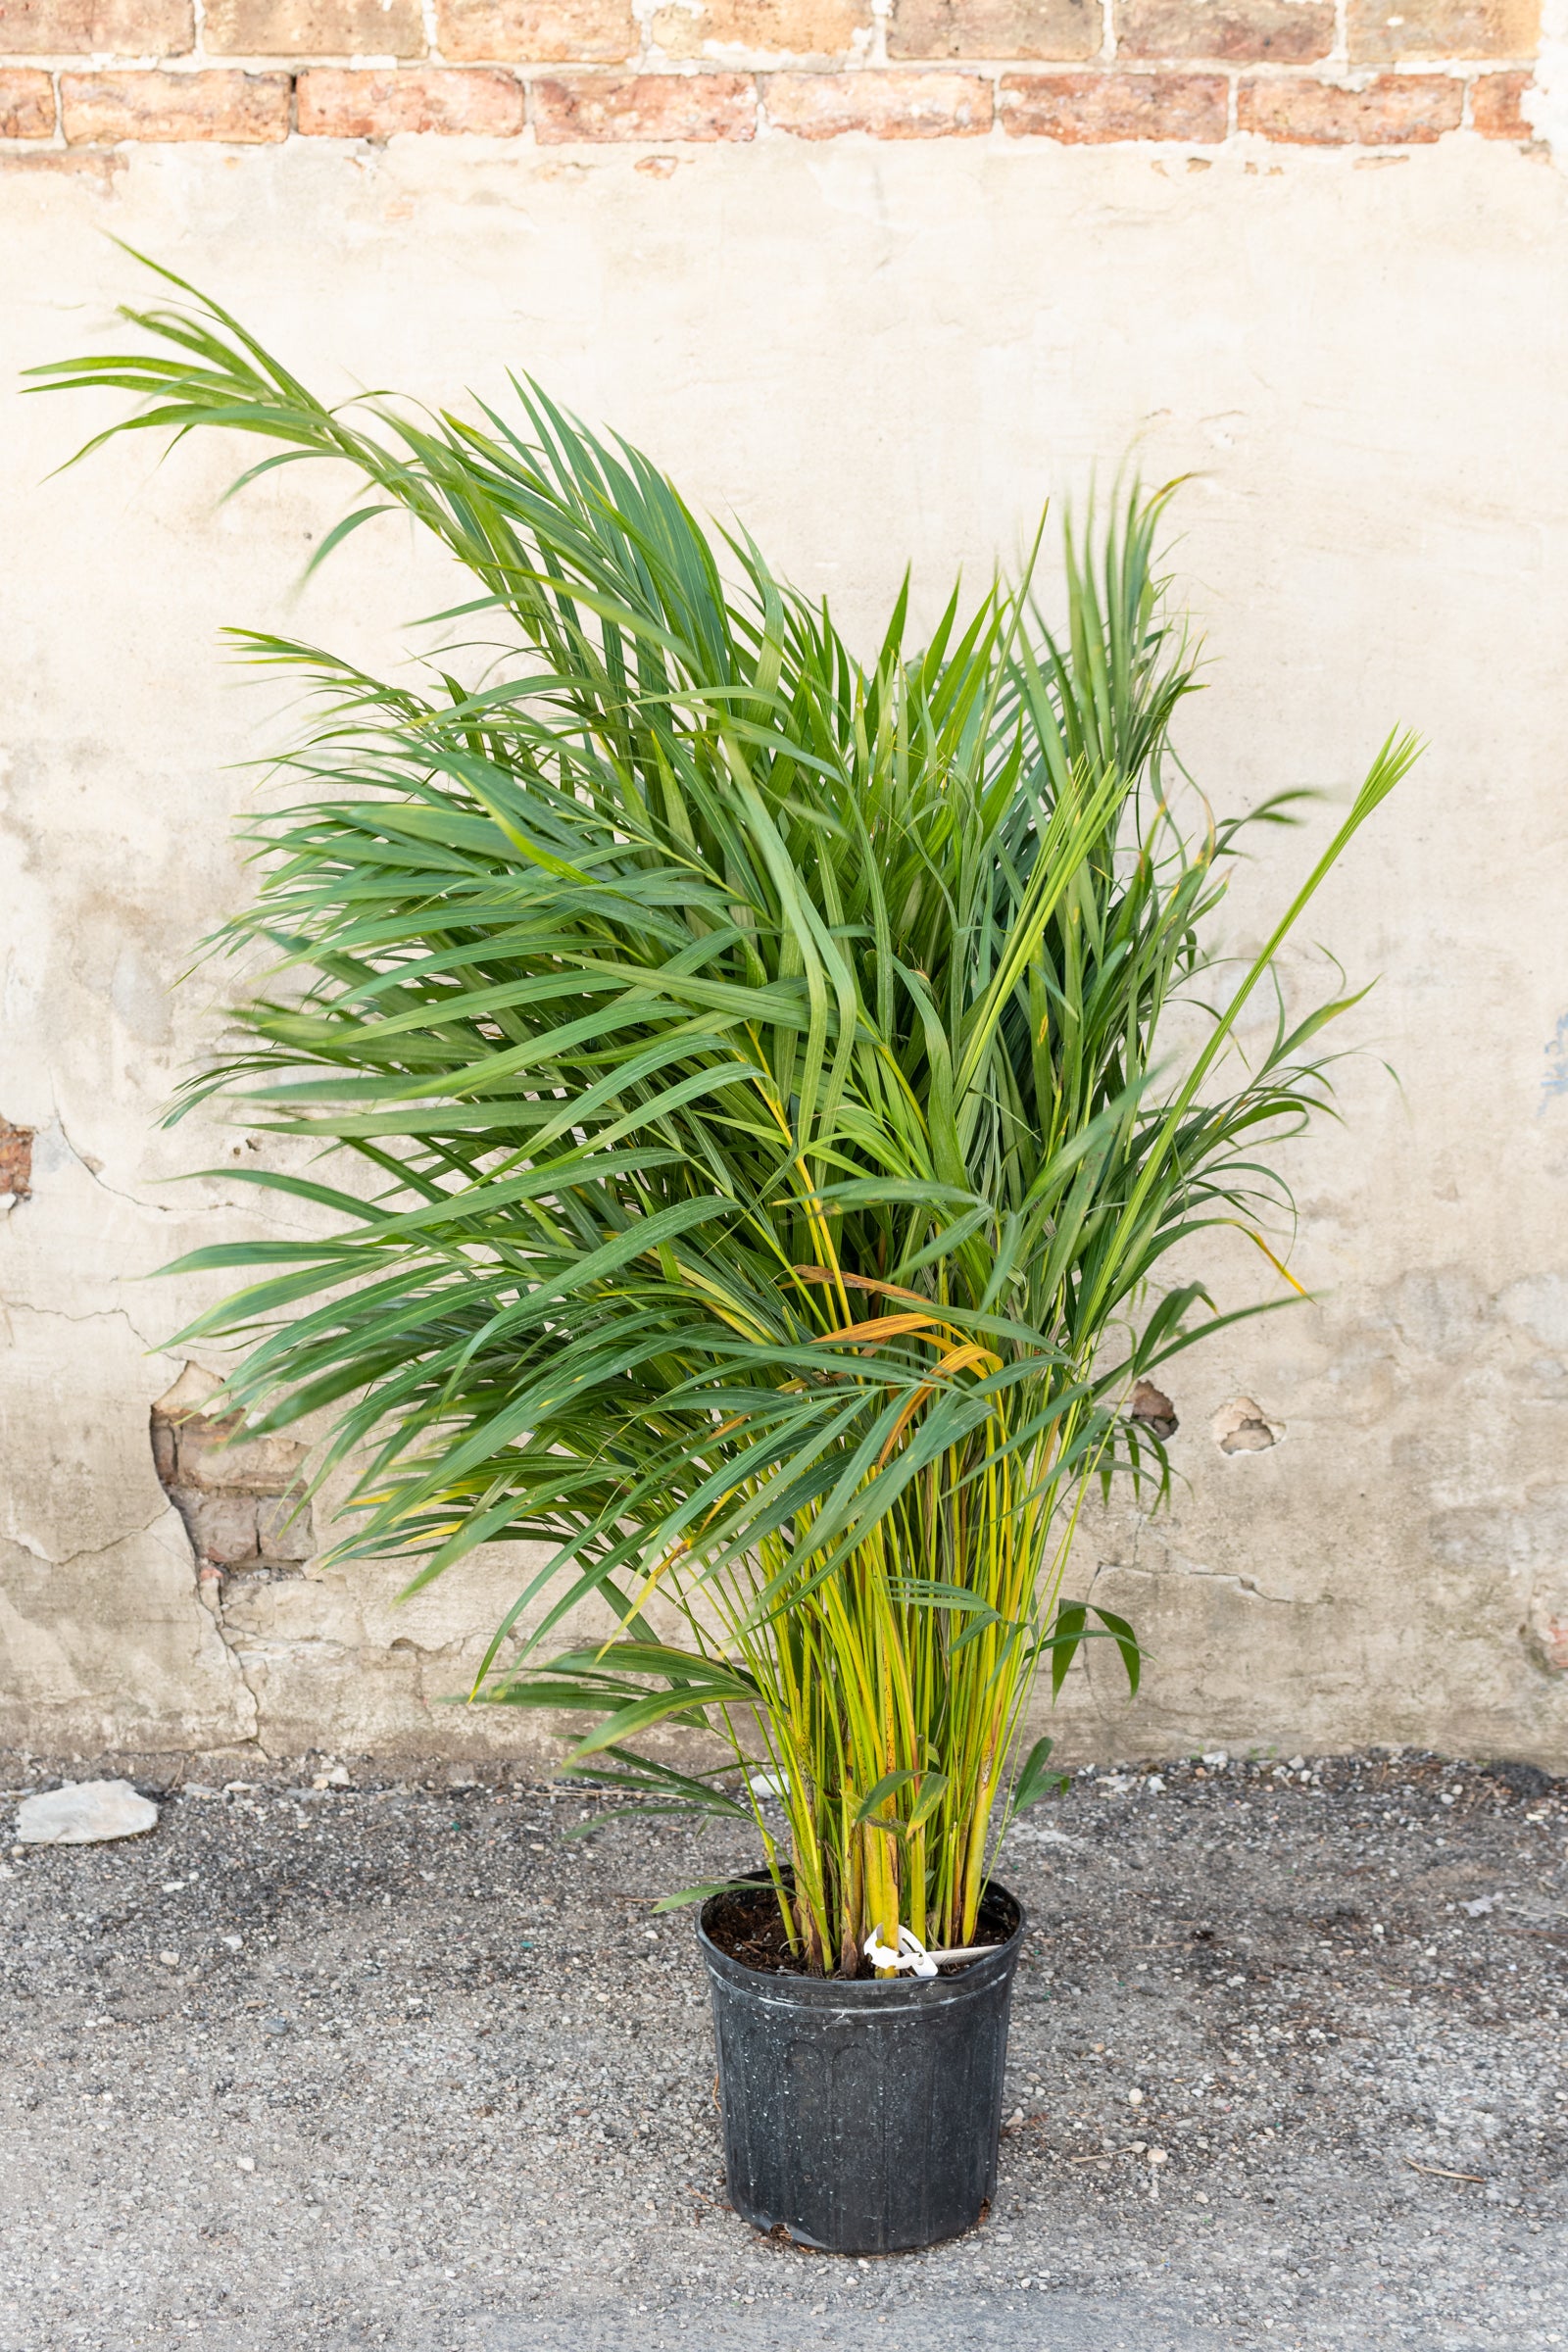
[868,352]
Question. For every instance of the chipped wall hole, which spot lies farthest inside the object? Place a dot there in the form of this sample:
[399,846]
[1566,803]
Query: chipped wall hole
[241,1498]
[1153,1410]
[15,1162]
[1243,1427]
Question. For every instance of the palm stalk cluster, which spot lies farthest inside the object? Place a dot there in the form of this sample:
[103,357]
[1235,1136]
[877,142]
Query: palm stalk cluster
[771,1166]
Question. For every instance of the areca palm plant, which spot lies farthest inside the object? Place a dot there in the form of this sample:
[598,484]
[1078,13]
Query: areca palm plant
[762,1061]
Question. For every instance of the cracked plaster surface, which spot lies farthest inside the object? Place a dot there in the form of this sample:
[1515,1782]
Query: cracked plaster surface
[1360,542]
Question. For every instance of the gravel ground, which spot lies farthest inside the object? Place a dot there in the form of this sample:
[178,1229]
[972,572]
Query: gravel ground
[388,2063]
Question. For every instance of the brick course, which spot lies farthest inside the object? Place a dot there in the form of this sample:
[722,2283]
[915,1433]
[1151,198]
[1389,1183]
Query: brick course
[997,28]
[27,112]
[1397,110]
[699,70]
[1381,34]
[314,28]
[336,103]
[766,27]
[540,32]
[887,106]
[1282,32]
[648,107]
[1097,109]
[96,27]
[246,109]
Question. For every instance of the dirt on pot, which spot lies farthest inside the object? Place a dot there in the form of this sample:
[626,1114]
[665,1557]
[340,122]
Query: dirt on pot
[319,2067]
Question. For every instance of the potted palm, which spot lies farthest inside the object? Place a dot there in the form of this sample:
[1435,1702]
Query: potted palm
[761,1060]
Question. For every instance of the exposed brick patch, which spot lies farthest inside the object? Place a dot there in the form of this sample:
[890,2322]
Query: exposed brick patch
[97,27]
[1282,32]
[314,28]
[1153,1410]
[1069,29]
[887,106]
[1093,109]
[242,1502]
[650,107]
[27,112]
[766,27]
[1167,84]
[334,103]
[243,108]
[1495,108]
[543,33]
[16,1143]
[1381,34]
[1397,110]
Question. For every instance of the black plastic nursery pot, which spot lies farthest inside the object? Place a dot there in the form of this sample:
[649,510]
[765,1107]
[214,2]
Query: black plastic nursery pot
[863,2118]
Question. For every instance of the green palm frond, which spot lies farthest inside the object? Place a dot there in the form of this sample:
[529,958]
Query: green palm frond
[775,1154]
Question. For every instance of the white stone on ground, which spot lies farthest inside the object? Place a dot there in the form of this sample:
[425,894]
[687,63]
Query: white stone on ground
[84,1813]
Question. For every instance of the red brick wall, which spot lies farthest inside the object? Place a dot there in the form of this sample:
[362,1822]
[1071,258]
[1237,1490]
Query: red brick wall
[1195,73]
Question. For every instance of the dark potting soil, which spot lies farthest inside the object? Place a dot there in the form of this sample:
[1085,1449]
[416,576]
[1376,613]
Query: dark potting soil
[749,1928]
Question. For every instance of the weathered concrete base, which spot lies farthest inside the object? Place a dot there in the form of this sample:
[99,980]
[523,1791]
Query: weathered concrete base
[867,352]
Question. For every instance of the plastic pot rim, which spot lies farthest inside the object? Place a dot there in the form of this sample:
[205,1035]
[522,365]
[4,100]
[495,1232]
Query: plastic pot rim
[864,1996]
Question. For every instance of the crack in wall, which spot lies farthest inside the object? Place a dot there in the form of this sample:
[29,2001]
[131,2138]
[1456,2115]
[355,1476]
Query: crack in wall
[236,1659]
[241,1504]
[99,1668]
[94,1315]
[88,1551]
[1212,1576]
[92,1168]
